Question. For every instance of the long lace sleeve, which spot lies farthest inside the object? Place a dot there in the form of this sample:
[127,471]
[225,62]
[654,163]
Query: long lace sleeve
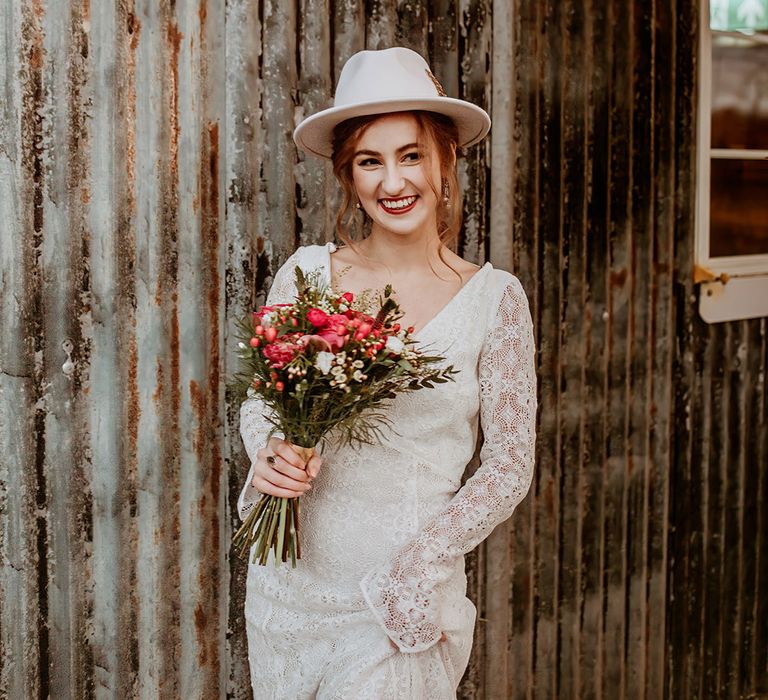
[255,428]
[401,594]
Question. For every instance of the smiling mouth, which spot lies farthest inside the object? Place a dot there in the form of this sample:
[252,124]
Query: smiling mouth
[398,206]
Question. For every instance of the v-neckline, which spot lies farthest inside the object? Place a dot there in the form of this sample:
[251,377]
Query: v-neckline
[416,335]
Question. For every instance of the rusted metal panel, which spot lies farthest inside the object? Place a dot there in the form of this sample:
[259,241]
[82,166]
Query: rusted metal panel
[149,188]
[248,267]
[25,651]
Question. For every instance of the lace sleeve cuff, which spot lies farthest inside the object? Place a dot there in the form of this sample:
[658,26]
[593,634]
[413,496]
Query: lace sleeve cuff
[404,611]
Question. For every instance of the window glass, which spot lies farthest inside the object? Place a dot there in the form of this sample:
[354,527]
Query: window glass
[739,92]
[738,222]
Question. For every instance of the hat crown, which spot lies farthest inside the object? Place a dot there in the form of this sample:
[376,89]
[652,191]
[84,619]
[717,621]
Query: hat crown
[396,73]
[387,81]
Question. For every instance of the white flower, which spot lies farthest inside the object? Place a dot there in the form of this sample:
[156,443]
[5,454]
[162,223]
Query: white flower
[323,361]
[358,376]
[394,344]
[242,346]
[358,363]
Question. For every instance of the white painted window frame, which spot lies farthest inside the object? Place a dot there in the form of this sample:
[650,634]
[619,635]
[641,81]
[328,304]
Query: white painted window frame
[732,287]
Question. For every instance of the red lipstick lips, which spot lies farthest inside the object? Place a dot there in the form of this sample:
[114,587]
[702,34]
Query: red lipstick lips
[403,210]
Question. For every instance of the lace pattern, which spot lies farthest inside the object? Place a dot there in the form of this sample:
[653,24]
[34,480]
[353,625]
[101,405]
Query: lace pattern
[403,594]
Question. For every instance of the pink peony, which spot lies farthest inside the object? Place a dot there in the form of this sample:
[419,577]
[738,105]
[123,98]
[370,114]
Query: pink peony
[336,319]
[279,353]
[314,342]
[335,340]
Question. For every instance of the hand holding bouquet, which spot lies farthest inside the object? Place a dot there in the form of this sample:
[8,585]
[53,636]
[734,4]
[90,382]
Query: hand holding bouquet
[322,365]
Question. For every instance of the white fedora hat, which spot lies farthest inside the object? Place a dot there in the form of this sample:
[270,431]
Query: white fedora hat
[388,80]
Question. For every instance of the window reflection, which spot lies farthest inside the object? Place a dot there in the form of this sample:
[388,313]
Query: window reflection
[738,207]
[740,91]
[738,15]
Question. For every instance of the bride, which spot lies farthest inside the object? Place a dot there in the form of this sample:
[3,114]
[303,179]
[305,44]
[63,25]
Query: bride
[377,605]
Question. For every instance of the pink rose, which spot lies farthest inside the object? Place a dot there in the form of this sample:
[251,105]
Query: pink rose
[317,317]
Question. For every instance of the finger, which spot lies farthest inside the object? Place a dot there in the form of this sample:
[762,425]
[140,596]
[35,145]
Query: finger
[269,488]
[286,482]
[289,454]
[283,467]
[313,466]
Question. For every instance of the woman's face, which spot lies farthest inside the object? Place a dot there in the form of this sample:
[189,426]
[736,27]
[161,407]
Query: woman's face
[391,177]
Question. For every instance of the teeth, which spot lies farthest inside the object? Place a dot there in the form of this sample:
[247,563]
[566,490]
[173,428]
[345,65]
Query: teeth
[399,203]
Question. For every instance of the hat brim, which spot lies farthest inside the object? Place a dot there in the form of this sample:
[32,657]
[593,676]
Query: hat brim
[314,134]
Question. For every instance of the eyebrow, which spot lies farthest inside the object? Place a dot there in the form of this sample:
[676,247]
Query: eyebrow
[375,153]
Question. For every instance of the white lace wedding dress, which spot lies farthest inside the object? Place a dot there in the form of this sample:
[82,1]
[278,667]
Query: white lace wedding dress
[385,529]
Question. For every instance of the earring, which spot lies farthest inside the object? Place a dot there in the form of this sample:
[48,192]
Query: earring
[358,204]
[446,192]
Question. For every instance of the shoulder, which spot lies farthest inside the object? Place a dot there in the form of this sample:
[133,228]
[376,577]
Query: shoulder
[305,256]
[502,283]
[506,296]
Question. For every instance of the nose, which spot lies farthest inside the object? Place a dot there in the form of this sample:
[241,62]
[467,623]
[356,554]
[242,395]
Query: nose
[393,182]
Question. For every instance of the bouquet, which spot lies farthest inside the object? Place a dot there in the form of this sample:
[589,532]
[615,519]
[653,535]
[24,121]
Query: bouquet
[321,364]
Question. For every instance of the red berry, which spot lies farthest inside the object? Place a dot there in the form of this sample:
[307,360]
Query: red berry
[279,386]
[259,330]
[270,334]
[396,327]
[255,342]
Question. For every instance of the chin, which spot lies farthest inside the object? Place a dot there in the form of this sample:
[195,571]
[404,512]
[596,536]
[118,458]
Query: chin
[404,228]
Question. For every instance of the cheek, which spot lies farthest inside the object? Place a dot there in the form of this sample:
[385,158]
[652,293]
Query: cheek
[362,183]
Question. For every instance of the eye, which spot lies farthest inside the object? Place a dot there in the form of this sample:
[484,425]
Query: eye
[367,161]
[413,156]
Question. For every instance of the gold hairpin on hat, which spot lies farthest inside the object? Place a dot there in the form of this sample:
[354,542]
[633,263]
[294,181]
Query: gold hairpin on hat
[439,87]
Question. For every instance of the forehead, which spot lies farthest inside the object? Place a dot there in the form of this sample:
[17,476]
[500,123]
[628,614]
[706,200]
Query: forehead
[390,130]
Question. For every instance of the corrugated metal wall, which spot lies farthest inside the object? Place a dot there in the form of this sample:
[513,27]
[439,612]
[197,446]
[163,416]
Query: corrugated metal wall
[148,188]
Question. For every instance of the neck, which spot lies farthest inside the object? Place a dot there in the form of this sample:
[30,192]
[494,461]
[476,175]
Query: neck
[404,253]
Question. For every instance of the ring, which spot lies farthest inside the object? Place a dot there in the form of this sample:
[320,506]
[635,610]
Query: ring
[271,459]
